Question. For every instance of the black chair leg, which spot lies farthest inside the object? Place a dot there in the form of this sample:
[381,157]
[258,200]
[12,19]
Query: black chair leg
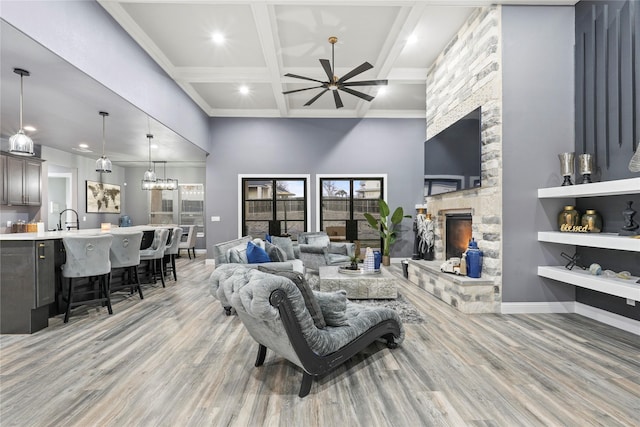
[159,261]
[137,279]
[106,286]
[173,267]
[305,387]
[262,352]
[66,314]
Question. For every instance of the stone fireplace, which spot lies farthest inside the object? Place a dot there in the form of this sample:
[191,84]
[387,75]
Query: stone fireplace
[465,76]
[457,234]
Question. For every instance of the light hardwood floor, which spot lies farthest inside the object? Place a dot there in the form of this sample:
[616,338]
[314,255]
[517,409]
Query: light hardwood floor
[174,359]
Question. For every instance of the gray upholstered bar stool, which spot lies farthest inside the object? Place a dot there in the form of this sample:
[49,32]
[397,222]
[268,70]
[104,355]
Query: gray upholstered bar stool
[87,257]
[171,252]
[125,256]
[188,240]
[155,253]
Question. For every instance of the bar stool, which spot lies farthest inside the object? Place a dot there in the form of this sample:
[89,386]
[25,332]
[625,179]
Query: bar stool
[87,256]
[171,252]
[125,255]
[188,240]
[155,253]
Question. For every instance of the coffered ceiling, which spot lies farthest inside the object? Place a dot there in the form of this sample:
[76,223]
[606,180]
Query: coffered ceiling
[264,40]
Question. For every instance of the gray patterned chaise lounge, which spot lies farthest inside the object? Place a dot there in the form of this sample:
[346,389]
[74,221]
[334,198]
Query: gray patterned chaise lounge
[277,316]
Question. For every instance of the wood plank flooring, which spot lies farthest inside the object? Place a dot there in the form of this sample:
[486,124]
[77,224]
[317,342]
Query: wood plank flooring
[175,359]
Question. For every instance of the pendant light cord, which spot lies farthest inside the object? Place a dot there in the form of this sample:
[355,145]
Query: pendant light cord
[21,77]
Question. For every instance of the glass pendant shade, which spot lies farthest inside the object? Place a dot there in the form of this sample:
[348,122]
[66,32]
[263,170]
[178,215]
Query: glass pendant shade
[103,164]
[20,143]
[149,179]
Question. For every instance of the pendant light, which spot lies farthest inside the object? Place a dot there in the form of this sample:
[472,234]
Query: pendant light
[149,179]
[166,183]
[20,143]
[103,164]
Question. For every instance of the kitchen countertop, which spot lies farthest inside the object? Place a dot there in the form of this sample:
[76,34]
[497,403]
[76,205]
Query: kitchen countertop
[54,235]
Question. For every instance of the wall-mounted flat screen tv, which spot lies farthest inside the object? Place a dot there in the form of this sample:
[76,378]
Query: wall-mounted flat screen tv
[452,157]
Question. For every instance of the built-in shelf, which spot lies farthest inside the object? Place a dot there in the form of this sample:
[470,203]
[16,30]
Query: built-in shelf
[593,240]
[595,189]
[613,286]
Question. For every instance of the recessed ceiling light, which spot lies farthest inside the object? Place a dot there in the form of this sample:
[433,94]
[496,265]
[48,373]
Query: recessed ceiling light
[29,128]
[382,90]
[83,145]
[81,149]
[244,90]
[412,39]
[218,38]
[154,145]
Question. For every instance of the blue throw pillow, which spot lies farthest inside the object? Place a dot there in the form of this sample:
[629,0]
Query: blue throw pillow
[255,254]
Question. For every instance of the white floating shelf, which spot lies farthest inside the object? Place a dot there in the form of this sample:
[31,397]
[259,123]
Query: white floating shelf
[593,240]
[613,286]
[595,189]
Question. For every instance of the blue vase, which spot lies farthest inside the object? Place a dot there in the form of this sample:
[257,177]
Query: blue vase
[474,260]
[377,259]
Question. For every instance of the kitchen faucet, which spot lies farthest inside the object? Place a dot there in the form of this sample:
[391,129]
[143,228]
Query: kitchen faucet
[69,227]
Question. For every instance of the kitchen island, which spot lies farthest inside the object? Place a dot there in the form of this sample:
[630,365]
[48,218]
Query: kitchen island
[29,266]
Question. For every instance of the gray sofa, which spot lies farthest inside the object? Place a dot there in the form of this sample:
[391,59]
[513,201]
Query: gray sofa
[277,316]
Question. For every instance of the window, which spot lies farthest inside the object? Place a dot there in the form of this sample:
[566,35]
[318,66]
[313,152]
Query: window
[277,206]
[343,203]
[192,206]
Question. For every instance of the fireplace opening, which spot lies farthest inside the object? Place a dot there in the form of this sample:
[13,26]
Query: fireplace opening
[458,234]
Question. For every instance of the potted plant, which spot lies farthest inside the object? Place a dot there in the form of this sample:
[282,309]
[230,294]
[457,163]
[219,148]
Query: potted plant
[386,226]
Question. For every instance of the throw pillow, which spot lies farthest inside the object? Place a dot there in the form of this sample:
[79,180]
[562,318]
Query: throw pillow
[318,240]
[338,248]
[307,294]
[275,253]
[333,306]
[237,255]
[285,244]
[255,254]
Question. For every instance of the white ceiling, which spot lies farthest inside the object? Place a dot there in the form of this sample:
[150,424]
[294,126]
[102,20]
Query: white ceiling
[267,39]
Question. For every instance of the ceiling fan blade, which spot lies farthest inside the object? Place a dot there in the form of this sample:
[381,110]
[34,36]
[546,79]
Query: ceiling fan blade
[367,83]
[358,94]
[300,90]
[326,65]
[295,76]
[359,69]
[336,98]
[312,100]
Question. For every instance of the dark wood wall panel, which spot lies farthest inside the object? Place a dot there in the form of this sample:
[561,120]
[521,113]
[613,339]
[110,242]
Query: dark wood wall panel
[607,73]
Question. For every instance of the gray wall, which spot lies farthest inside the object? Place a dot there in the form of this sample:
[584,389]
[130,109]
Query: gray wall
[538,118]
[313,146]
[85,35]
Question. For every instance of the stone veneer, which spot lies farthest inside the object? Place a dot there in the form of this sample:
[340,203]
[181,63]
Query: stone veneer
[465,76]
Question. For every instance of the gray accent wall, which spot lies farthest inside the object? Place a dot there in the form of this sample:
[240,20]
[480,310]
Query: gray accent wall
[538,123]
[85,35]
[273,146]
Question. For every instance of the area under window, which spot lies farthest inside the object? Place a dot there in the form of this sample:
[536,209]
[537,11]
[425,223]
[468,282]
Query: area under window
[343,203]
[275,206]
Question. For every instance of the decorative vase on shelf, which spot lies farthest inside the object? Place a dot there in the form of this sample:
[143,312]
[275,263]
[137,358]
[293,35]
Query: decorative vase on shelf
[566,167]
[585,164]
[592,220]
[630,228]
[569,217]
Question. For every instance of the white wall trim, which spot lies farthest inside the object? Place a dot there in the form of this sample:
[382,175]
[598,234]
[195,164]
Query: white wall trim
[537,307]
[319,176]
[272,176]
[608,318]
[597,314]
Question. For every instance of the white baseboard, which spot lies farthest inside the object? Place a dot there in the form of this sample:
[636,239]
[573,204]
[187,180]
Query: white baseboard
[537,307]
[597,314]
[608,318]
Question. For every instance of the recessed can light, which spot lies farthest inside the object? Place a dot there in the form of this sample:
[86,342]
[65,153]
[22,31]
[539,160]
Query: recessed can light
[83,145]
[244,90]
[218,38]
[30,128]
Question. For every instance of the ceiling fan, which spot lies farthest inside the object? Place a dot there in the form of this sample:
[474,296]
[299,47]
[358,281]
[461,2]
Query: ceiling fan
[334,84]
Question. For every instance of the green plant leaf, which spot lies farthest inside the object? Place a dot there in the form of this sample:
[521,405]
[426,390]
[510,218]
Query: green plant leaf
[384,209]
[397,216]
[373,223]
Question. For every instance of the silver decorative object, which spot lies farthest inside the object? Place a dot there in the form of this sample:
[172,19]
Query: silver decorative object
[585,167]
[566,167]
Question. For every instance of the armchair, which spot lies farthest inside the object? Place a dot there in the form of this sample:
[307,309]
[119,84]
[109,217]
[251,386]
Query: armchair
[316,250]
[273,310]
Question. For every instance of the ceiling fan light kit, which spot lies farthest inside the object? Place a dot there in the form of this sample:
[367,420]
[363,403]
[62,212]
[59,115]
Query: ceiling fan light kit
[20,143]
[335,84]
